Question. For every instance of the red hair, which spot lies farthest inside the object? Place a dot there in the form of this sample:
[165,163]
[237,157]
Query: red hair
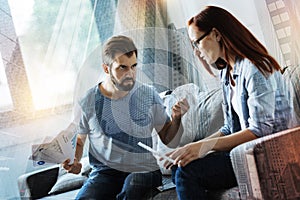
[236,39]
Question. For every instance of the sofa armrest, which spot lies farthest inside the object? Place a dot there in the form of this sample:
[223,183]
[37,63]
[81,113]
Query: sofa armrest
[38,183]
[269,167]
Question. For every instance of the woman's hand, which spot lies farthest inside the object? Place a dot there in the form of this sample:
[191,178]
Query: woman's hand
[74,168]
[186,154]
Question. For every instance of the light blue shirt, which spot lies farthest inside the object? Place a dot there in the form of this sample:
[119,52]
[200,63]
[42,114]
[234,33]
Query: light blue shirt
[262,104]
[114,127]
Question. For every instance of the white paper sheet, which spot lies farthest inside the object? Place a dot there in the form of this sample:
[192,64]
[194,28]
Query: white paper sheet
[57,150]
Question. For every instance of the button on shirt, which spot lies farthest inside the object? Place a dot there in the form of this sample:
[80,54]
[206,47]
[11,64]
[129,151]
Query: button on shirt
[261,102]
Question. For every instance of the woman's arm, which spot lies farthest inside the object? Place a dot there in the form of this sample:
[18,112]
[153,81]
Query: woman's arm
[216,142]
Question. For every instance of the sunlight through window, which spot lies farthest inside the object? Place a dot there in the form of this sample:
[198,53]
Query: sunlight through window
[6,102]
[54,43]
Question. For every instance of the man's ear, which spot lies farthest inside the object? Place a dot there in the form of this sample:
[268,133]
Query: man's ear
[105,68]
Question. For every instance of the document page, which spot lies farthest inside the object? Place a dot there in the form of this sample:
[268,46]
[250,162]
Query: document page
[57,150]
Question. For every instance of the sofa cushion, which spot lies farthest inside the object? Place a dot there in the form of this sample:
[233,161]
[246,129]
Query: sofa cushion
[37,184]
[292,78]
[65,195]
[204,117]
[68,181]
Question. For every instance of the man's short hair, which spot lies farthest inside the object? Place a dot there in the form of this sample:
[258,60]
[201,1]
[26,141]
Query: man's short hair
[117,44]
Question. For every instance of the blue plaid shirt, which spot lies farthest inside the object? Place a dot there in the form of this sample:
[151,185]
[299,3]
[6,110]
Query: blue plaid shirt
[262,103]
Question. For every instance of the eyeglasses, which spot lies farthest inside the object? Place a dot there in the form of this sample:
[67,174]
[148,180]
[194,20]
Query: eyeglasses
[196,42]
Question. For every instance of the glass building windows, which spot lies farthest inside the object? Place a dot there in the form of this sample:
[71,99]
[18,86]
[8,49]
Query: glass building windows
[5,102]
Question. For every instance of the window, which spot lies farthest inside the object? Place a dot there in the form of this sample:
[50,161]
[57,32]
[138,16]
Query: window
[6,102]
[54,38]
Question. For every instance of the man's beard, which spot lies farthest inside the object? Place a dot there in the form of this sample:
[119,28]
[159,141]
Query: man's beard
[120,85]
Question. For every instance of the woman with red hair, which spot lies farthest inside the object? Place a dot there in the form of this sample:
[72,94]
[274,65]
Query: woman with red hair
[254,102]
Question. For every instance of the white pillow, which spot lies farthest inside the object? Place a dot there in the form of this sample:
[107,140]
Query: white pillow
[68,181]
[204,117]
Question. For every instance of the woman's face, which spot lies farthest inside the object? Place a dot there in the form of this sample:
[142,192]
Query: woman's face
[208,46]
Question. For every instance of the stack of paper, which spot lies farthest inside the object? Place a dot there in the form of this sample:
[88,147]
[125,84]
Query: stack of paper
[55,150]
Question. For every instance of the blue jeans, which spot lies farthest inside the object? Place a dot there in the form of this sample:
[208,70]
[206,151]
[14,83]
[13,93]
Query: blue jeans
[109,184]
[212,172]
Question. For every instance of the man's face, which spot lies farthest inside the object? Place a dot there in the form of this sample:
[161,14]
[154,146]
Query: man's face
[123,72]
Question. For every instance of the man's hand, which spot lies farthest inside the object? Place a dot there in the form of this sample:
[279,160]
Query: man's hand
[179,109]
[74,168]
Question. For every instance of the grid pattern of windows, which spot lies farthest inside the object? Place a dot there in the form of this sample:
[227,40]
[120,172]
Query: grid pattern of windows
[13,65]
[285,19]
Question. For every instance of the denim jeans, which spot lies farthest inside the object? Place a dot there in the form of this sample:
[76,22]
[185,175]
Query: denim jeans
[108,184]
[212,172]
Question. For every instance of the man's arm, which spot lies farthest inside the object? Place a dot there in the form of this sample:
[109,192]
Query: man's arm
[171,133]
[79,146]
[75,168]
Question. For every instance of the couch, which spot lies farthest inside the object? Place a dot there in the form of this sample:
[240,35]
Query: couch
[265,168]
